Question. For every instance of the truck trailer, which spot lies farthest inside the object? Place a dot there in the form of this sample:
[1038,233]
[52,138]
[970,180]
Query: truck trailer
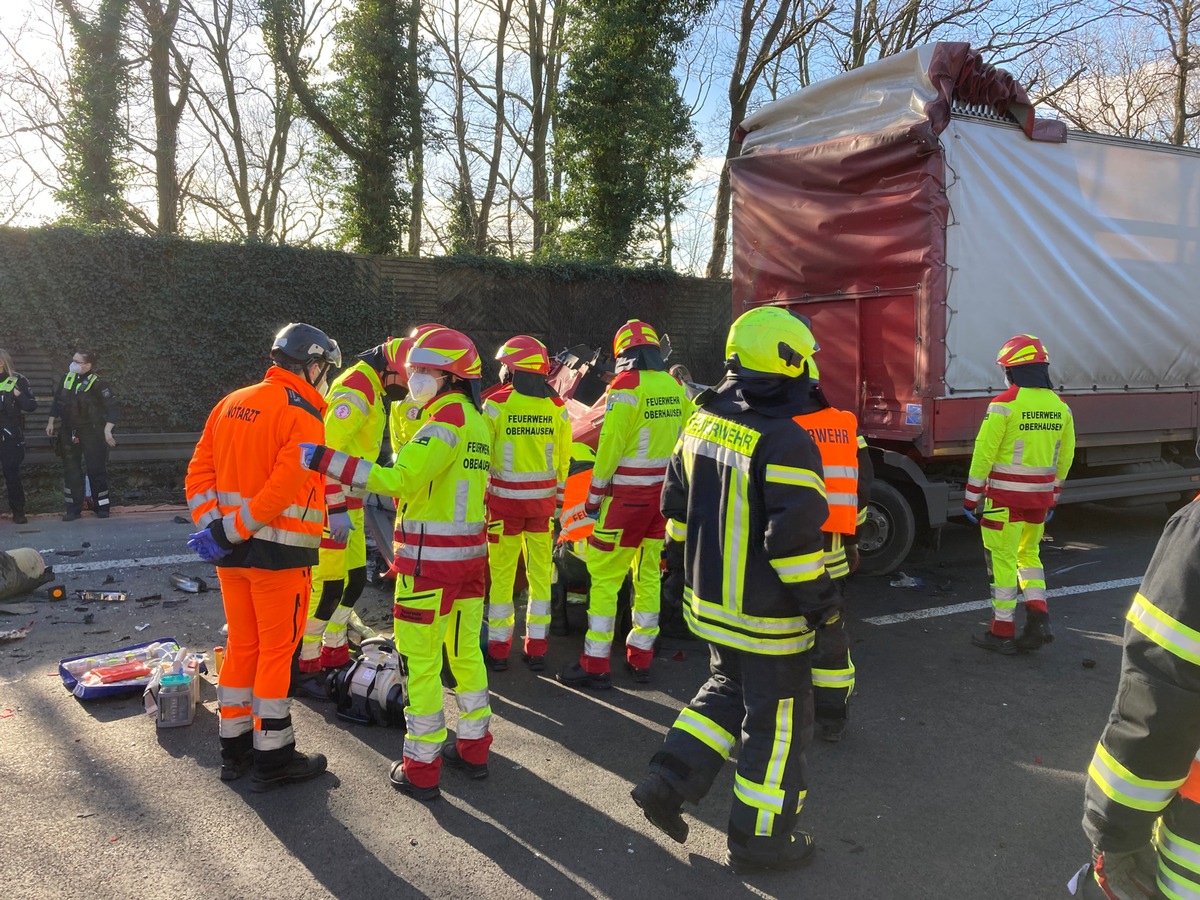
[920,213]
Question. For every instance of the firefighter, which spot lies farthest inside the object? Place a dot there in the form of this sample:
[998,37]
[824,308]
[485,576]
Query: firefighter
[746,483]
[83,413]
[16,399]
[642,420]
[1142,800]
[848,472]
[354,424]
[262,515]
[1021,457]
[441,557]
[531,457]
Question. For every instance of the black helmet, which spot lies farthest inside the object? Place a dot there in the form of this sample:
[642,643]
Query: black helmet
[303,344]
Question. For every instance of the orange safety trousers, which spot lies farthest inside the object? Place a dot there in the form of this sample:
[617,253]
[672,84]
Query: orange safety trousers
[266,610]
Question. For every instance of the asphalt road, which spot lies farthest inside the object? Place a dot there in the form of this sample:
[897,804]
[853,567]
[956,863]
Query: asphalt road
[961,775]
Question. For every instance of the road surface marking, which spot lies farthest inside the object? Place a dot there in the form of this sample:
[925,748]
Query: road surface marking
[139,562]
[986,604]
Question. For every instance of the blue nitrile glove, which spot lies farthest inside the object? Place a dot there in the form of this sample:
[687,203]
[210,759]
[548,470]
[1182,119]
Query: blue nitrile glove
[971,517]
[1049,516]
[206,546]
[306,454]
[340,526]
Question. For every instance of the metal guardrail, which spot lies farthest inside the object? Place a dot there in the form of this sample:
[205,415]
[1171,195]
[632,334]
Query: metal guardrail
[133,447]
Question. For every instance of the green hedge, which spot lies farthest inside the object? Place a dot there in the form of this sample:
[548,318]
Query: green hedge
[178,324]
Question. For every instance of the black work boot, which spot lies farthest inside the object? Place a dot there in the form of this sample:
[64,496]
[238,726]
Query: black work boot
[661,805]
[71,514]
[270,772]
[401,783]
[1037,630]
[535,663]
[576,676]
[832,730]
[452,758]
[237,755]
[496,663]
[641,676]
[19,517]
[1005,646]
[742,861]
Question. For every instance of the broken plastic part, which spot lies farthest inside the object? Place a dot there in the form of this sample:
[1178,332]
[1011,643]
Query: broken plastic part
[187,583]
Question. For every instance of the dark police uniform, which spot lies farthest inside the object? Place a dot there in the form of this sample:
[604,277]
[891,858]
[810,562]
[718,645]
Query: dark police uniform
[85,403]
[12,434]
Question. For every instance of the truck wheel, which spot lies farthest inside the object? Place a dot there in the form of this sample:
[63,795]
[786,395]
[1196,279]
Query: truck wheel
[887,535]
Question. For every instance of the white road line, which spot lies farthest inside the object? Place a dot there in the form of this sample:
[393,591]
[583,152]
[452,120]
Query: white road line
[985,604]
[140,562]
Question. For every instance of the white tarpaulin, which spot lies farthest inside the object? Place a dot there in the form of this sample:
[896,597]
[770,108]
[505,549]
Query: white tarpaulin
[1092,245]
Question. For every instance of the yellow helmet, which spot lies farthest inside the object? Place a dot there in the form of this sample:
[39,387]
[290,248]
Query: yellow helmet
[771,341]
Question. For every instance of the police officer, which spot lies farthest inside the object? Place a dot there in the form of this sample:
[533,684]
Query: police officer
[745,482]
[16,399]
[848,472]
[642,419]
[1142,800]
[1022,455]
[82,416]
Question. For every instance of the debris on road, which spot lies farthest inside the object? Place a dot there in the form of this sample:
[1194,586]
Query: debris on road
[69,552]
[906,581]
[141,627]
[57,591]
[1089,664]
[104,596]
[15,634]
[189,584]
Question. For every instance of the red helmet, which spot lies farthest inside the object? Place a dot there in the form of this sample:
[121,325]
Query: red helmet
[1021,351]
[634,333]
[395,350]
[448,350]
[524,354]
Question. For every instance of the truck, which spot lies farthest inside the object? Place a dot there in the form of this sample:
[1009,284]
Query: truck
[919,212]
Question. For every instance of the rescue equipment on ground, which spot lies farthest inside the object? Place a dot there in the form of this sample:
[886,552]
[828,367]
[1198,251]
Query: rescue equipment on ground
[371,690]
[85,675]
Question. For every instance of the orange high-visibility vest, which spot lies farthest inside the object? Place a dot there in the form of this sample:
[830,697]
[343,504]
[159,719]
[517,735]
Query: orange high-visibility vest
[836,435]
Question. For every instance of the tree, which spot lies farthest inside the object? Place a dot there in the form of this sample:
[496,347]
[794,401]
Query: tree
[94,131]
[620,115]
[168,69]
[764,34]
[367,111]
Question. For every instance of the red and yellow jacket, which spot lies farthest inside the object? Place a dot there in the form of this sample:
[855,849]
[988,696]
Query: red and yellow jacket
[531,453]
[1023,452]
[245,481]
[441,474]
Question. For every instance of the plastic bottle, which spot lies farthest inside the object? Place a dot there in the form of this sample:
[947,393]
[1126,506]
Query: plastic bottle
[176,705]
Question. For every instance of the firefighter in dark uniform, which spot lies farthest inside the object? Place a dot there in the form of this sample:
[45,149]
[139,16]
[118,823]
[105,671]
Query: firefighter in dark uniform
[1142,801]
[848,474]
[745,482]
[16,399]
[82,417]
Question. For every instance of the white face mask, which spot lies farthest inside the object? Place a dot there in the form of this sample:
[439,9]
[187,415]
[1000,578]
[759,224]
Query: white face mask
[423,387]
[76,368]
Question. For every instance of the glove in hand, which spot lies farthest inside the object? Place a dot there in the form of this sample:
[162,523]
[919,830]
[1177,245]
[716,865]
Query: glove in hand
[340,527]
[1049,516]
[206,546]
[306,454]
[971,517]
[853,558]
